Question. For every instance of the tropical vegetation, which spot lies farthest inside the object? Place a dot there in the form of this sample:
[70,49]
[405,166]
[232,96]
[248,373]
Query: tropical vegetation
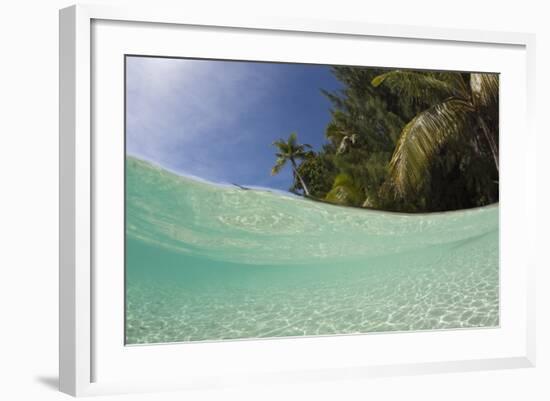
[402,140]
[291,151]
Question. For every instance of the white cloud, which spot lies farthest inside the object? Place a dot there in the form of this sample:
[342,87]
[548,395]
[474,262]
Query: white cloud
[175,105]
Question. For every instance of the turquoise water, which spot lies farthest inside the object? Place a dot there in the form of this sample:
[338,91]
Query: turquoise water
[212,262]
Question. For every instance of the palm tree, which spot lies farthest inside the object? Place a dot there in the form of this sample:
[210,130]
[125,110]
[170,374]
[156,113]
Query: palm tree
[291,150]
[459,112]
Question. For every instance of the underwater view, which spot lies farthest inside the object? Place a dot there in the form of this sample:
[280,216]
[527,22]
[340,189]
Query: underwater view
[268,200]
[209,262]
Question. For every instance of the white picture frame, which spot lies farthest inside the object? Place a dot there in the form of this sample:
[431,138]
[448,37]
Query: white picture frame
[86,347]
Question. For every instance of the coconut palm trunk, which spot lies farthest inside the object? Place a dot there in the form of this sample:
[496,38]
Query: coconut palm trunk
[490,141]
[295,170]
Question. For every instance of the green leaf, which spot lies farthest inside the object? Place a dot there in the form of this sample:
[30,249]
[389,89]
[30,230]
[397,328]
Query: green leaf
[423,137]
[419,85]
[484,89]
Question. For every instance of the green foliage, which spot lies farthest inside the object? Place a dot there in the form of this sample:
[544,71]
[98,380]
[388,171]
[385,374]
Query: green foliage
[345,192]
[449,136]
[421,87]
[408,141]
[291,151]
[422,138]
[318,172]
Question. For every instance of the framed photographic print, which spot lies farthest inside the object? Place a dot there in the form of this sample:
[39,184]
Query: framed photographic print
[277,200]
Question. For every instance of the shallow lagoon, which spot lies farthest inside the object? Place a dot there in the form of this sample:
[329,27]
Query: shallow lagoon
[211,262]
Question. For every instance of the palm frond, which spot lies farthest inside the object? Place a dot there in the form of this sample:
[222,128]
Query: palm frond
[456,80]
[422,138]
[484,89]
[418,85]
[292,140]
[281,145]
[279,164]
[289,150]
[345,192]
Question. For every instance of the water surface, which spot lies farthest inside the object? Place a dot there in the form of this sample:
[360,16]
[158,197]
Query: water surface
[211,262]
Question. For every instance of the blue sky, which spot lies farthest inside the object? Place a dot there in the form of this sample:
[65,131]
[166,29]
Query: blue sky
[217,119]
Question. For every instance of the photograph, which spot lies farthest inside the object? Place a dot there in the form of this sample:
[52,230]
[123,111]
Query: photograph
[272,199]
